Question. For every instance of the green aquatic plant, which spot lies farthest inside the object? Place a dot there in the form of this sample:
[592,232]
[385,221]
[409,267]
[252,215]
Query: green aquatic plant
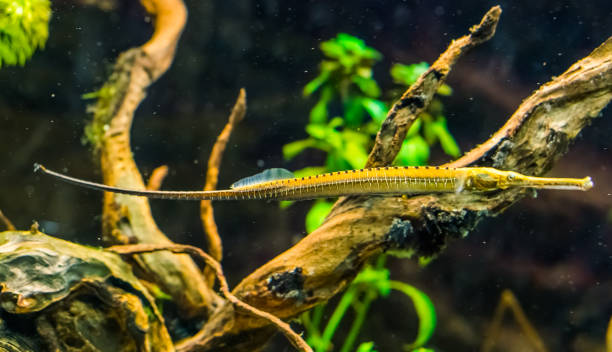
[107,98]
[24,27]
[346,73]
[430,128]
[372,282]
[348,91]
[343,123]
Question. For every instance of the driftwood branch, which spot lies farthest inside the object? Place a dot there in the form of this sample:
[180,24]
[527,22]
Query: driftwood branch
[294,338]
[128,219]
[563,106]
[207,215]
[416,99]
[509,302]
[74,297]
[6,222]
[157,177]
[324,262]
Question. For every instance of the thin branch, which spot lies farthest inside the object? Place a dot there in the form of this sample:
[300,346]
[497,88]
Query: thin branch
[293,337]
[7,223]
[157,177]
[215,247]
[508,301]
[170,19]
[591,75]
[414,101]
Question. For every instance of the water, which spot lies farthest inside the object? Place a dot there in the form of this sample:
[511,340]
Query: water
[553,252]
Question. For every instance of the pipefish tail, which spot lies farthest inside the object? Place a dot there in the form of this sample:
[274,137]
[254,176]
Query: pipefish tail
[281,184]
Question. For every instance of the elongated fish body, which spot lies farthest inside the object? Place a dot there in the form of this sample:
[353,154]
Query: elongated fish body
[280,184]
[378,181]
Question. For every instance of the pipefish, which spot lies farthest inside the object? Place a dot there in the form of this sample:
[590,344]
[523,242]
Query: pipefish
[281,184]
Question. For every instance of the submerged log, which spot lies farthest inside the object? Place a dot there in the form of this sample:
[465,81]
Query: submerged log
[74,298]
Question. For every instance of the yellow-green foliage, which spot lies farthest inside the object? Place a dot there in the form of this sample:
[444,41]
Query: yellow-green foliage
[108,99]
[94,131]
[346,86]
[24,27]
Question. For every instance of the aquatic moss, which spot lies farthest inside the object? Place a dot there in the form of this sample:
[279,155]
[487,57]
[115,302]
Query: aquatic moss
[24,27]
[109,98]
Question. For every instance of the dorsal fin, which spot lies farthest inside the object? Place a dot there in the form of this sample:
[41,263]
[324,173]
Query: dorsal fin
[264,176]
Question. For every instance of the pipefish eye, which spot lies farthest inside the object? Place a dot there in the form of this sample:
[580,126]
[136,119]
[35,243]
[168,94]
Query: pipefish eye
[510,177]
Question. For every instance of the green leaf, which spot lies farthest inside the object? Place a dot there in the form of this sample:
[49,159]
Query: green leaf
[414,128]
[348,62]
[336,122]
[329,65]
[445,90]
[334,138]
[317,214]
[7,55]
[437,130]
[424,261]
[372,54]
[430,132]
[368,86]
[284,204]
[420,349]
[309,171]
[376,108]
[318,114]
[353,112]
[408,74]
[333,49]
[335,161]
[348,41]
[414,151]
[316,83]
[355,154]
[378,278]
[366,347]
[425,311]
[447,142]
[356,137]
[90,95]
[364,71]
[24,27]
[290,150]
[158,293]
[351,43]
[351,53]
[317,131]
[357,47]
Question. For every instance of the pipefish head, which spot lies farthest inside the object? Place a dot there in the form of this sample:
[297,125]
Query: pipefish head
[489,179]
[573,184]
[483,179]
